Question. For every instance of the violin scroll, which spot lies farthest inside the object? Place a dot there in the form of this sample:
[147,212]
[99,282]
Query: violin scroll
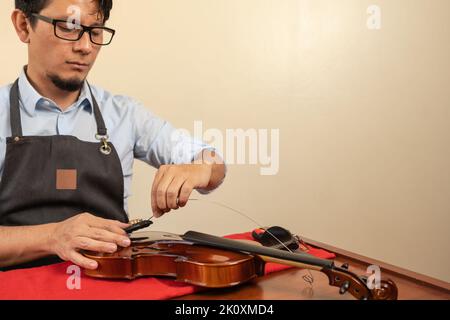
[387,291]
[347,281]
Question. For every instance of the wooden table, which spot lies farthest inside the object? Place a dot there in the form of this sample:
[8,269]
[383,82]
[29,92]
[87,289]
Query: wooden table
[290,285]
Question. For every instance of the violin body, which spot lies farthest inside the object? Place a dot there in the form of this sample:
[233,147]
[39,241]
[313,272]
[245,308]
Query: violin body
[163,254]
[215,262]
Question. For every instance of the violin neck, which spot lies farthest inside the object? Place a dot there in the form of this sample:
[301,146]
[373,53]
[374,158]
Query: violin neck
[298,259]
[291,263]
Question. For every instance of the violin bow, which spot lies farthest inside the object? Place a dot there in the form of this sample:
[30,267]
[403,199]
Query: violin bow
[339,277]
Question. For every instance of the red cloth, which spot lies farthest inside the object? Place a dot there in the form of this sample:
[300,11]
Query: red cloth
[50,283]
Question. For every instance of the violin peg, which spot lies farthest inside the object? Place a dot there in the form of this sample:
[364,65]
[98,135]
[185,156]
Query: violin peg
[364,279]
[344,287]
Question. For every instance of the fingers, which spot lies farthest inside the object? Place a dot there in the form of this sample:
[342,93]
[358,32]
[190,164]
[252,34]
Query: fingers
[87,232]
[173,192]
[157,212]
[121,225]
[85,243]
[161,197]
[113,226]
[82,261]
[89,244]
[160,191]
[107,231]
[185,193]
[107,236]
[173,184]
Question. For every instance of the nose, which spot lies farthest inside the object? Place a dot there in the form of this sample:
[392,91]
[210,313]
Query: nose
[84,44]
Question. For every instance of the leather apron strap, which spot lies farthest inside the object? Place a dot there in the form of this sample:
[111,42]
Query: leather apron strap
[16,124]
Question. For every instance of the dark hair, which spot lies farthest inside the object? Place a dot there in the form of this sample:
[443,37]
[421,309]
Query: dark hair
[28,7]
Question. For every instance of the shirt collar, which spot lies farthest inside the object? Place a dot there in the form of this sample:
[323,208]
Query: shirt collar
[31,98]
[85,98]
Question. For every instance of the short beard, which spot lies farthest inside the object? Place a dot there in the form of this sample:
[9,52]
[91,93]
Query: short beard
[70,85]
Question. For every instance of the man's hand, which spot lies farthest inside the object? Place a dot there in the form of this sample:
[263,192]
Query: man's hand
[173,184]
[87,232]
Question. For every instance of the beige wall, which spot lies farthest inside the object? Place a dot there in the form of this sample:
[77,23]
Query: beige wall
[364,116]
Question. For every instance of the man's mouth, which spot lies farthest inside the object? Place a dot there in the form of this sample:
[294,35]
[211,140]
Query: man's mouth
[78,65]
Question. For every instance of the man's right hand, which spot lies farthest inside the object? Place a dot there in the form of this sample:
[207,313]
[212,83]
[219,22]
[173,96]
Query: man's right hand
[86,232]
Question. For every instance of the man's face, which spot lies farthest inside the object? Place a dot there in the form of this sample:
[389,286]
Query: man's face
[65,63]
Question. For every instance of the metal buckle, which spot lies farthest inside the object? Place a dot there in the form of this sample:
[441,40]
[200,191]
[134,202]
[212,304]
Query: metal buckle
[101,137]
[105,148]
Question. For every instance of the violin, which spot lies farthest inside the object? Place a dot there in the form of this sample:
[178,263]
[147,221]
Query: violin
[209,261]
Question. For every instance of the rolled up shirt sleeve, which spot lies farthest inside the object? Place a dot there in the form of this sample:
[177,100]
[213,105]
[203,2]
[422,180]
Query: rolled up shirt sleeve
[158,143]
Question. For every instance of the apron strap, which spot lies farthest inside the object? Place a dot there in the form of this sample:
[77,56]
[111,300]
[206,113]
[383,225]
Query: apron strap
[101,128]
[16,123]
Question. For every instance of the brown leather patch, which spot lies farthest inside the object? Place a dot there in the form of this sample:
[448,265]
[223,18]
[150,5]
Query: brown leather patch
[66,179]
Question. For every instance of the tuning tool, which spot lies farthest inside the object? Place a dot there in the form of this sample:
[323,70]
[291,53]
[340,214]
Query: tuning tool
[138,224]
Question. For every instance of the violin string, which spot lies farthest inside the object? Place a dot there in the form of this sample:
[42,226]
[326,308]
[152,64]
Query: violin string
[246,216]
[307,278]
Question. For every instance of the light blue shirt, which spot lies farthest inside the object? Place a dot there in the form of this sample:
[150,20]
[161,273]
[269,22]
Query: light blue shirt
[134,131]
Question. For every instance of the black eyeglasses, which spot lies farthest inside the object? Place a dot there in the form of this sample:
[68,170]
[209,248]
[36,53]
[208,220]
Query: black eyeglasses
[69,31]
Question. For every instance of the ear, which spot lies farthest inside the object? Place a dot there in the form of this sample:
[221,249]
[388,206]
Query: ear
[22,25]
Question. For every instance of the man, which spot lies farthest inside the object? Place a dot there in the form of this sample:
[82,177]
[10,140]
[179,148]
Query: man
[67,148]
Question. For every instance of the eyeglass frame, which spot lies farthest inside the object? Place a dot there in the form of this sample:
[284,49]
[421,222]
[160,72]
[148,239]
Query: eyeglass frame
[84,29]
